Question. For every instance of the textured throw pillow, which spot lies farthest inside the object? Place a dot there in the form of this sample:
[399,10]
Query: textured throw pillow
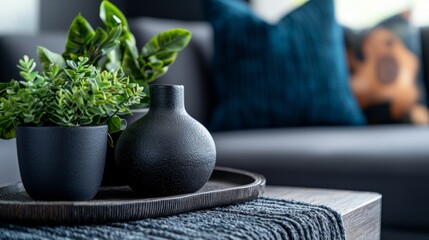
[292,73]
[386,77]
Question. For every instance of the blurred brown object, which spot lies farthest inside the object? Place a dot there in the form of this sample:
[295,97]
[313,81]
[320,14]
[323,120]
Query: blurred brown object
[419,115]
[387,73]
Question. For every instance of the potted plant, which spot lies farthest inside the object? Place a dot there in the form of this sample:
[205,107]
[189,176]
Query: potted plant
[113,46]
[61,119]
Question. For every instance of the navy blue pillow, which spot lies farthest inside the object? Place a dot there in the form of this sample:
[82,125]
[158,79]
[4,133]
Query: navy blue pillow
[292,73]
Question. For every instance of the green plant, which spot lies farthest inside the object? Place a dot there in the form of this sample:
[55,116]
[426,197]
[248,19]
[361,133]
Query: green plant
[115,47]
[76,94]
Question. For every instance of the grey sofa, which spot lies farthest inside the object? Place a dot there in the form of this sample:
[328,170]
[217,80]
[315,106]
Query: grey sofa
[392,160]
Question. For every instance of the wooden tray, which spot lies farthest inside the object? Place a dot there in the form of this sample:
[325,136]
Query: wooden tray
[226,186]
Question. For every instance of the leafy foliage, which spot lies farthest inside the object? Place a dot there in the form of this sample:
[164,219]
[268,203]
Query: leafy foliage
[3,87]
[78,94]
[115,47]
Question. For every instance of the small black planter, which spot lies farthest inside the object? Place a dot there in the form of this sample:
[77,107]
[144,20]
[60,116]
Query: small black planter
[61,163]
[166,152]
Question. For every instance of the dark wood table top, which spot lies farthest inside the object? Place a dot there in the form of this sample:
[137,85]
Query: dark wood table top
[361,211]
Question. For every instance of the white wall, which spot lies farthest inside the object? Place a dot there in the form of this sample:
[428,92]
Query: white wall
[19,16]
[273,10]
[363,14]
[353,13]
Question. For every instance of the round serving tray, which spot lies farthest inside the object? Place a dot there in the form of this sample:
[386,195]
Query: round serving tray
[226,186]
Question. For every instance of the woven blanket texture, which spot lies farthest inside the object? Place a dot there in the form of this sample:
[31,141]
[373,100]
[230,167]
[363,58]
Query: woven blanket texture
[263,218]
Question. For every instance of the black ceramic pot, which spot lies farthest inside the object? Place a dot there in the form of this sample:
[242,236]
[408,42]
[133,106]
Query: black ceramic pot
[166,152]
[61,163]
[112,175]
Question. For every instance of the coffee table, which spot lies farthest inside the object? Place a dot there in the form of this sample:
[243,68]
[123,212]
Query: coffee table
[361,211]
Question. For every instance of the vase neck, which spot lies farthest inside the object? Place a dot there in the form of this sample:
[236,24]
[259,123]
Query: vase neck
[167,96]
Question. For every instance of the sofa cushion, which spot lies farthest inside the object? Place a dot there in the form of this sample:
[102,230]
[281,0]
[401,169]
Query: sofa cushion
[289,74]
[386,74]
[391,160]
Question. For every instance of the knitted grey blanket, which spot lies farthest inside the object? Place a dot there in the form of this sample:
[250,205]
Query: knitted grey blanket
[262,218]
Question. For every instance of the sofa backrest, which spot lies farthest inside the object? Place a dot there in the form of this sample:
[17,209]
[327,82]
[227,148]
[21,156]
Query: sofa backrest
[13,47]
[191,69]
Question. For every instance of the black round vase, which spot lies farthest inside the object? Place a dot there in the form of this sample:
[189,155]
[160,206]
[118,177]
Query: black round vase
[112,175]
[166,152]
[61,163]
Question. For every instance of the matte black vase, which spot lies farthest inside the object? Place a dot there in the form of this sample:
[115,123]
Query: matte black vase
[166,152]
[61,163]
[112,175]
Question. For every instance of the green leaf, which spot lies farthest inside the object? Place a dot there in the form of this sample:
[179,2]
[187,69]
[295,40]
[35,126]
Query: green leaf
[99,37]
[105,84]
[112,16]
[116,124]
[152,74]
[27,65]
[7,129]
[76,95]
[123,124]
[47,58]
[79,37]
[130,64]
[155,63]
[129,42]
[104,43]
[3,87]
[167,58]
[112,40]
[173,40]
[114,59]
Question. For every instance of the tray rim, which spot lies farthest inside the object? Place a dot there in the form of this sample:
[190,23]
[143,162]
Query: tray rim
[259,180]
